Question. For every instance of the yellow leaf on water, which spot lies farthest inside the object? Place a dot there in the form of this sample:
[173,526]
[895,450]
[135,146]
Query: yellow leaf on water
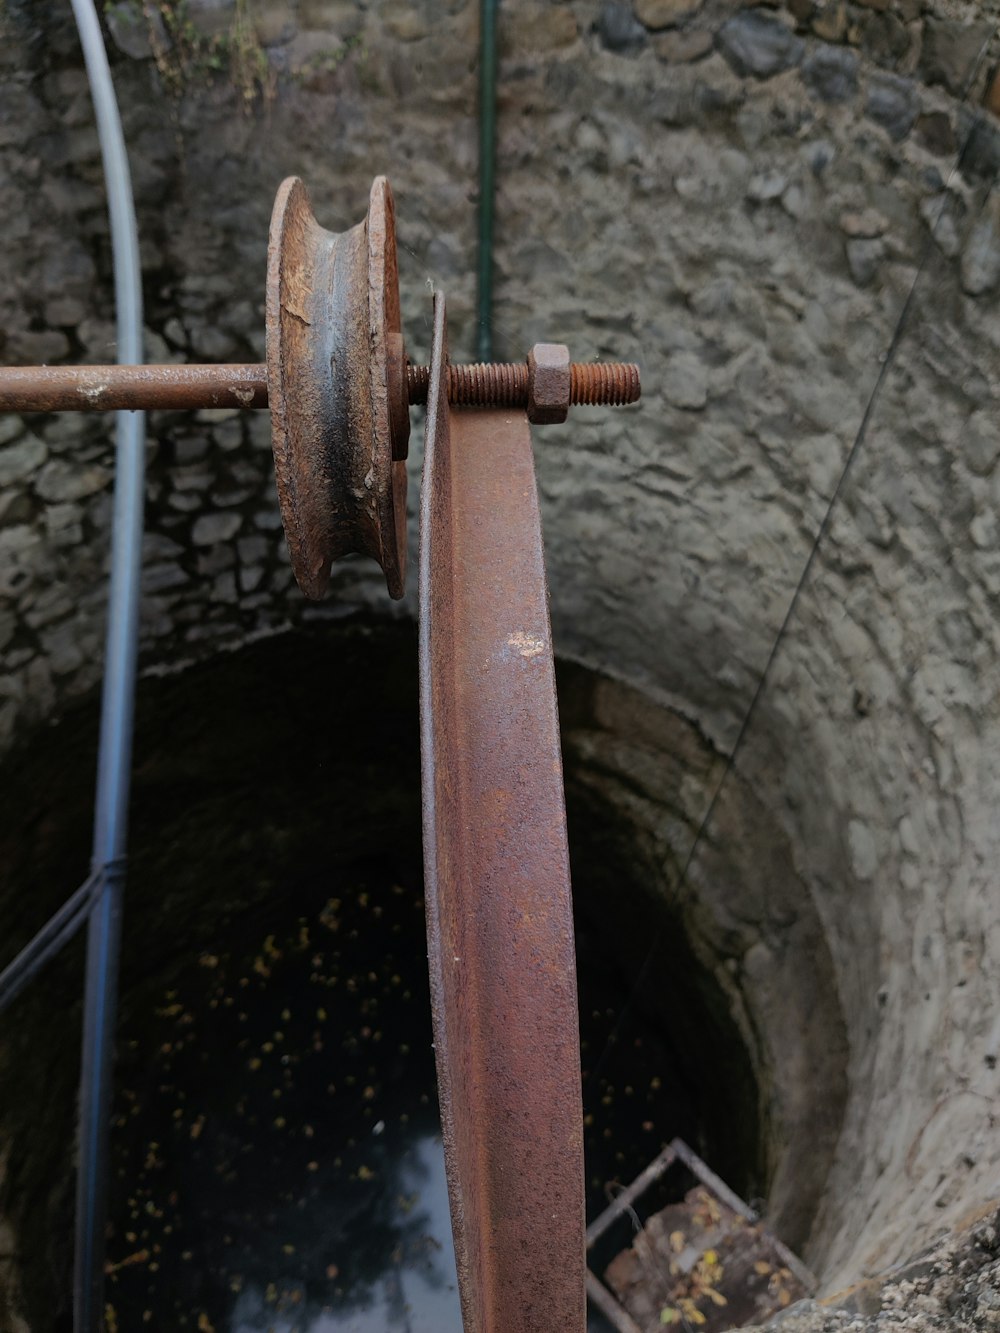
[677,1241]
[762,1268]
[139,1257]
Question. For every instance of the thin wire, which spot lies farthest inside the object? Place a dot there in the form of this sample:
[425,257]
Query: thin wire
[117,706]
[57,931]
[859,438]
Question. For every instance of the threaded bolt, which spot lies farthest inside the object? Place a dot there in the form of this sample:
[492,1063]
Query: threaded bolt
[601,384]
[604,383]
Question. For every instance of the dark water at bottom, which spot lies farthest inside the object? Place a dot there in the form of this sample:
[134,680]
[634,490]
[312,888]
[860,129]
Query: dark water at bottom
[277,1154]
[276,1161]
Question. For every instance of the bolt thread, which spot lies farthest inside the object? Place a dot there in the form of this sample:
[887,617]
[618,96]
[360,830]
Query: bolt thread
[418,380]
[608,384]
[506,385]
[491,385]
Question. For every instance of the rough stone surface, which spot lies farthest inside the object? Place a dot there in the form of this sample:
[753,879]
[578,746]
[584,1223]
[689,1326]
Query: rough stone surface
[685,383]
[954,1287]
[618,28]
[20,460]
[951,50]
[691,221]
[211,528]
[657,14]
[829,20]
[892,103]
[756,42]
[864,254]
[682,46]
[981,258]
[59,481]
[831,73]
[129,30]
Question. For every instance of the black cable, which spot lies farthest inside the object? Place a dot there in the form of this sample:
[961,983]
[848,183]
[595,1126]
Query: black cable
[487,175]
[57,931]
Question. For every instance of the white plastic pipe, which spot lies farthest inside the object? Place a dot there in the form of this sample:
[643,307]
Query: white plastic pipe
[117,706]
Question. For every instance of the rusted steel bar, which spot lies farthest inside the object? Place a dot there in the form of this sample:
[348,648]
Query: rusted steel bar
[715,1183]
[134,388]
[499,907]
[618,1318]
[130,388]
[624,1201]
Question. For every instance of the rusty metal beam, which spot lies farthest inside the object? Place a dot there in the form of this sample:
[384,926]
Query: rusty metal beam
[499,907]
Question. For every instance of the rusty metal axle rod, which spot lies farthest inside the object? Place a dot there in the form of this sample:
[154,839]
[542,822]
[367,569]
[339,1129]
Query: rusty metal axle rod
[130,388]
[188,387]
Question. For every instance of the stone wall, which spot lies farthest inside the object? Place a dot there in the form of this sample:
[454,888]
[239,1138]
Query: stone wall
[756,203]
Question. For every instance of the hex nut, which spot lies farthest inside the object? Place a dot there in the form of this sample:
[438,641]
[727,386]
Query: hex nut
[548,383]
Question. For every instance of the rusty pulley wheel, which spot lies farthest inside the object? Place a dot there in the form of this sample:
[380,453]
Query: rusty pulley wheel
[336,384]
[497,886]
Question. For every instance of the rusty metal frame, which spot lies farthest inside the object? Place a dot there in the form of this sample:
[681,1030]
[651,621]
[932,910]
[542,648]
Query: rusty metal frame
[499,905]
[675,1151]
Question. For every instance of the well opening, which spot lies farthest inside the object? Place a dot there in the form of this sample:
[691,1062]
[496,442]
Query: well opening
[275,1091]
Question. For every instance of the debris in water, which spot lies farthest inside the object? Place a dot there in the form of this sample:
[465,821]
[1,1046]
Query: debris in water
[706,1262]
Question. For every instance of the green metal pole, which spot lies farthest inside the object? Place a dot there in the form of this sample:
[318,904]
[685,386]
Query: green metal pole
[487,168]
